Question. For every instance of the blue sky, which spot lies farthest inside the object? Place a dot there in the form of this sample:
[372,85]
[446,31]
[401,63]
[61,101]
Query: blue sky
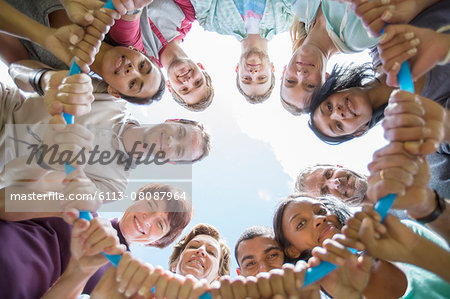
[257,150]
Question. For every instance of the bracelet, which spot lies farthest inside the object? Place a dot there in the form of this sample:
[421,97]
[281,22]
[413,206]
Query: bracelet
[440,207]
[35,79]
[133,12]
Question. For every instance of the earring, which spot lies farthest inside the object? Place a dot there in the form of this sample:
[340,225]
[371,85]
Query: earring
[237,68]
[200,66]
[169,87]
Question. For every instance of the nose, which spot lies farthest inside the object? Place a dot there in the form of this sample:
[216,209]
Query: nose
[129,68]
[319,220]
[334,183]
[302,73]
[253,70]
[172,141]
[263,267]
[339,112]
[201,251]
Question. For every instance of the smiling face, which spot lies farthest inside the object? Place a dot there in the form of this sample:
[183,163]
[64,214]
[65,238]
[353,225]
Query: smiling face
[306,223]
[345,112]
[187,80]
[179,142]
[343,183]
[129,72]
[303,74]
[255,71]
[144,222]
[259,254]
[200,258]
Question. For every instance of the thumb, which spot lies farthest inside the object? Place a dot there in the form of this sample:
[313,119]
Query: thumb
[73,33]
[81,16]
[57,119]
[79,227]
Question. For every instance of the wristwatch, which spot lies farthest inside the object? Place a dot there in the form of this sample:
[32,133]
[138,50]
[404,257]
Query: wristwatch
[440,207]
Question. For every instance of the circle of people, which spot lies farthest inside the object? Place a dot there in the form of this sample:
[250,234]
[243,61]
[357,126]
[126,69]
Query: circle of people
[55,254]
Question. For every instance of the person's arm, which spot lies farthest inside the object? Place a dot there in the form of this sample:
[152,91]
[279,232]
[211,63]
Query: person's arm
[423,48]
[62,93]
[89,240]
[69,285]
[351,277]
[415,120]
[390,172]
[58,41]
[375,15]
[394,241]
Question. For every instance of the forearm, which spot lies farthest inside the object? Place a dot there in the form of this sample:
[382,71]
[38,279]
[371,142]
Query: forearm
[14,22]
[386,281]
[442,225]
[430,256]
[447,126]
[21,71]
[69,285]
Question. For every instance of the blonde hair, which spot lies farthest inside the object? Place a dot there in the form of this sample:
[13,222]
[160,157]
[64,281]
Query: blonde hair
[298,33]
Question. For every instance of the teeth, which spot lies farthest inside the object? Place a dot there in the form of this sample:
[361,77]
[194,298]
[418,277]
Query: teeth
[197,262]
[139,227]
[184,74]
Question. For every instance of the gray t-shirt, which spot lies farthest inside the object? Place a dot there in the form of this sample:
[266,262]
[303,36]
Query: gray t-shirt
[39,11]
[437,88]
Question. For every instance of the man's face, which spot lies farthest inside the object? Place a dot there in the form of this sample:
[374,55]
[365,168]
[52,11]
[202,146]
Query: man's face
[255,71]
[187,80]
[343,183]
[179,142]
[130,72]
[260,254]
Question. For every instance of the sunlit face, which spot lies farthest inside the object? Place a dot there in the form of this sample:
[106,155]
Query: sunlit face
[345,112]
[200,258]
[144,222]
[179,142]
[130,72]
[306,223]
[343,183]
[255,71]
[303,74]
[260,254]
[187,80]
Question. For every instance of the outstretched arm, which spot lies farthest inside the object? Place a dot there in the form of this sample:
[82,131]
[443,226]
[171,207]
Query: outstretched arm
[89,239]
[394,241]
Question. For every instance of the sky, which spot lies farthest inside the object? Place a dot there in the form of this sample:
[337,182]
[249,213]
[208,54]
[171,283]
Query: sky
[257,150]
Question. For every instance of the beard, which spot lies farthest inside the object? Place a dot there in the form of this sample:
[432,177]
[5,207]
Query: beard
[360,195]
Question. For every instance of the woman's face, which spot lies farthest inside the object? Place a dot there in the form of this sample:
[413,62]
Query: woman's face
[303,74]
[344,112]
[144,222]
[200,258]
[130,72]
[187,80]
[306,223]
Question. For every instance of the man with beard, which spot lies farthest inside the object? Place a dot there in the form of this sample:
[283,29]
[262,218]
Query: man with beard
[253,23]
[343,183]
